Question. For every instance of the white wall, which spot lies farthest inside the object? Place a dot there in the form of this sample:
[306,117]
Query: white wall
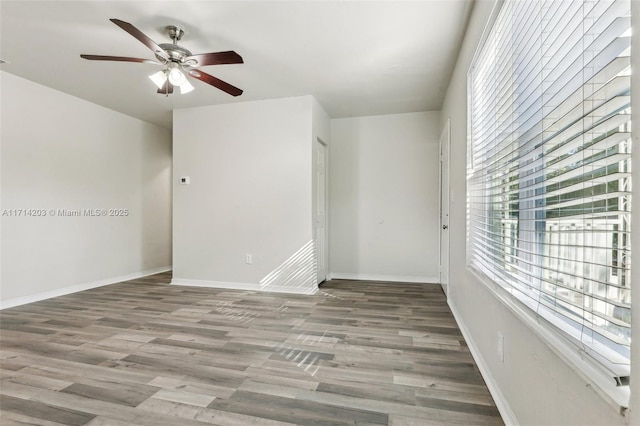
[321,126]
[533,386]
[250,193]
[384,195]
[60,152]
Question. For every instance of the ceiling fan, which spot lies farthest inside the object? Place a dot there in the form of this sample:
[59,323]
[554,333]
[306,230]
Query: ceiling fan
[177,61]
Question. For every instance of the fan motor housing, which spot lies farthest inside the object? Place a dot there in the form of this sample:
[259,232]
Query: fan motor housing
[176,53]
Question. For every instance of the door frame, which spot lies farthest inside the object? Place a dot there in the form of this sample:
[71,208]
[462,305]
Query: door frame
[444,203]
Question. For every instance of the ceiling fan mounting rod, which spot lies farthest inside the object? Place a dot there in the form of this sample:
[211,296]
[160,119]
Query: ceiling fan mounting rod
[175,33]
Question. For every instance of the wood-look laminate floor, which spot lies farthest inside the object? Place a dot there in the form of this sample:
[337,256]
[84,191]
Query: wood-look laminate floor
[146,353]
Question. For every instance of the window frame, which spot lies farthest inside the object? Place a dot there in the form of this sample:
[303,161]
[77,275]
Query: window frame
[587,367]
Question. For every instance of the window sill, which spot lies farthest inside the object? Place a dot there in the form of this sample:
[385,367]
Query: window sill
[578,360]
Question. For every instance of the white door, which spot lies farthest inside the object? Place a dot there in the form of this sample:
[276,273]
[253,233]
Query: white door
[445,138]
[320,206]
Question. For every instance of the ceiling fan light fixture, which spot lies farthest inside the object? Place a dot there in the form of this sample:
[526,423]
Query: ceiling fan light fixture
[185,87]
[176,77]
[159,78]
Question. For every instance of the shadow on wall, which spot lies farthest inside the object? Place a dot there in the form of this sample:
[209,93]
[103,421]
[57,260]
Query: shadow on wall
[155,203]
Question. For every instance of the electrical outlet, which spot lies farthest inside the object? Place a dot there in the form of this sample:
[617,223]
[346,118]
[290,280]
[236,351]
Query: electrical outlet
[500,347]
[248,259]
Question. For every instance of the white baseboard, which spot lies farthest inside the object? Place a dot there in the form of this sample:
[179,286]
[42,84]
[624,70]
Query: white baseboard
[291,290]
[17,301]
[502,404]
[216,284]
[241,286]
[396,278]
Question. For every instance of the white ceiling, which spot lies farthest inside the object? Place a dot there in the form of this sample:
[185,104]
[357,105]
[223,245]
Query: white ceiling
[356,57]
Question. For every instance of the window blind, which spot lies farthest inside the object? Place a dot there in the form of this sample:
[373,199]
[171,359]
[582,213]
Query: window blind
[549,170]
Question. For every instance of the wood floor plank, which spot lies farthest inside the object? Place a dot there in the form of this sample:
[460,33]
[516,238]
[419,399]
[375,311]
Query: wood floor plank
[184,397]
[116,393]
[293,410]
[189,386]
[392,408]
[144,352]
[8,418]
[107,421]
[43,411]
[38,381]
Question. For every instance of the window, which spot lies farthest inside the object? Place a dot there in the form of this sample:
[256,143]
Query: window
[548,168]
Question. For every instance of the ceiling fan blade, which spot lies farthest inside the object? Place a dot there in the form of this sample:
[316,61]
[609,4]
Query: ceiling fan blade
[216,82]
[141,37]
[167,88]
[117,58]
[215,58]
